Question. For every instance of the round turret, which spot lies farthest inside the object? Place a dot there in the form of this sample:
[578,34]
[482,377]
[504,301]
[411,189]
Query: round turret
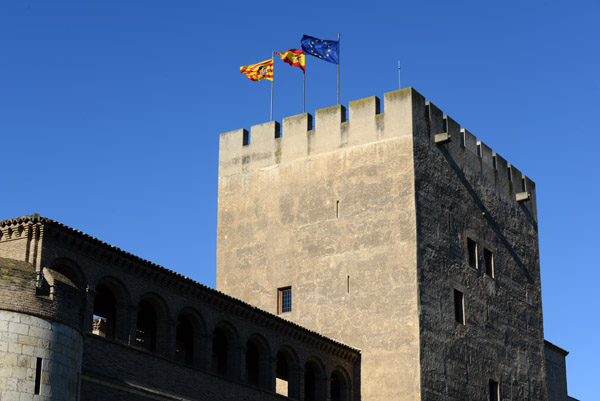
[41,341]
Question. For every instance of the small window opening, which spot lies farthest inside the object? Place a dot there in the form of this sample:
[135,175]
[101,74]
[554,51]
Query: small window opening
[472,248]
[337,209]
[145,333]
[494,391]
[252,364]
[184,341]
[459,307]
[339,387]
[105,312]
[310,380]
[488,258]
[348,284]
[38,376]
[219,353]
[284,296]
[282,375]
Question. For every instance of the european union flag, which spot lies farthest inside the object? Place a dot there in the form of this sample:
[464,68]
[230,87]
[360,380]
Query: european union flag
[328,50]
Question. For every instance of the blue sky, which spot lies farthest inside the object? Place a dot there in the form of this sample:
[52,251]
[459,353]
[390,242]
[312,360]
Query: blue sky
[110,114]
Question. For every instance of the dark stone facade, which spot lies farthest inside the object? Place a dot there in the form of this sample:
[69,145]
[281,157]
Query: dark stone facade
[162,335]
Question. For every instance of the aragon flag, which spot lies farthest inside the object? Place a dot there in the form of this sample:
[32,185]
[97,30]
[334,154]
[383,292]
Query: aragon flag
[258,71]
[294,57]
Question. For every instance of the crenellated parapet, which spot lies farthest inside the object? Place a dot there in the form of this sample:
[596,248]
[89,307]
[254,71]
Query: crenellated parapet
[477,161]
[406,115]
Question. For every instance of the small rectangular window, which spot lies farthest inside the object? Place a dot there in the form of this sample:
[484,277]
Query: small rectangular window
[459,307]
[284,300]
[472,248]
[488,258]
[494,391]
[38,376]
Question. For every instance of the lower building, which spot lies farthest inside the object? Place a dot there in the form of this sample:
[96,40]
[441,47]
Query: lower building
[83,320]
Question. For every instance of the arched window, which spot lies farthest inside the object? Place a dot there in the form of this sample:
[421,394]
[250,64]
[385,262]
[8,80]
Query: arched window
[105,312]
[252,363]
[220,352]
[282,374]
[339,387]
[310,382]
[287,373]
[68,272]
[259,363]
[145,333]
[184,351]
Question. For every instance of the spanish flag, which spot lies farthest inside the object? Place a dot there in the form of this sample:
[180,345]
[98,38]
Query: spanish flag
[256,72]
[293,57]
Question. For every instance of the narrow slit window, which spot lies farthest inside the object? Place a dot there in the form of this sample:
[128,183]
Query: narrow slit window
[38,376]
[488,258]
[337,209]
[472,249]
[459,307]
[284,299]
[494,391]
[348,284]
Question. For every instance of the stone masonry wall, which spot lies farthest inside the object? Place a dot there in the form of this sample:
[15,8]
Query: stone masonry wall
[465,191]
[23,340]
[556,372]
[131,374]
[330,212]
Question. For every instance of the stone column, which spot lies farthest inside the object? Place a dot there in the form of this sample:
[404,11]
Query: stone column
[295,382]
[89,309]
[266,377]
[126,323]
[166,330]
[236,362]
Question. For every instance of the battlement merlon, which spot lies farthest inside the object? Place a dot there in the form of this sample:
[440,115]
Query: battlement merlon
[405,110]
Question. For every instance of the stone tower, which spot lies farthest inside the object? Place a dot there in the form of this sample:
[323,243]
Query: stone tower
[397,233]
[41,319]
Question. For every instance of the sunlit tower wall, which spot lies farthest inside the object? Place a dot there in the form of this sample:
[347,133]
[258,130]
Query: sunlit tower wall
[397,233]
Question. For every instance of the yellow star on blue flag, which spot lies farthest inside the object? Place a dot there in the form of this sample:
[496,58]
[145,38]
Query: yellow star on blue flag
[328,50]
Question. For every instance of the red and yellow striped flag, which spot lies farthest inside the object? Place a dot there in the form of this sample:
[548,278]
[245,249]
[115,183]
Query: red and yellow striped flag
[256,72]
[294,57]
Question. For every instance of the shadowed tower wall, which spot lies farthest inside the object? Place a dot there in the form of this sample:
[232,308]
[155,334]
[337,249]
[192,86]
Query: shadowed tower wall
[367,222]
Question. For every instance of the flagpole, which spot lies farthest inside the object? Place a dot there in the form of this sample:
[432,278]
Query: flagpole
[399,85]
[338,77]
[303,88]
[272,80]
